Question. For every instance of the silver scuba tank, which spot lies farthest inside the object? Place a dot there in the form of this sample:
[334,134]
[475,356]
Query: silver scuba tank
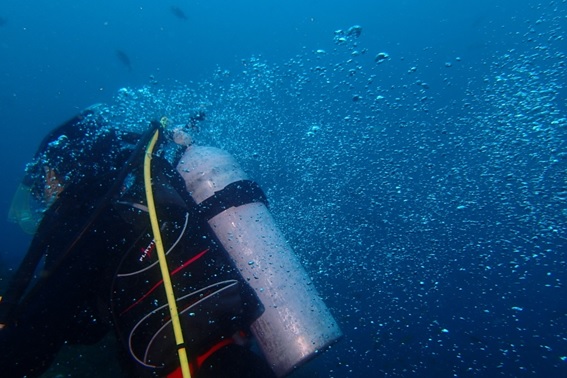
[296,324]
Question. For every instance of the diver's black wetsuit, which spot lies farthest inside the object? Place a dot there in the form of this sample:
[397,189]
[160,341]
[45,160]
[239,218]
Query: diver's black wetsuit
[101,272]
[62,306]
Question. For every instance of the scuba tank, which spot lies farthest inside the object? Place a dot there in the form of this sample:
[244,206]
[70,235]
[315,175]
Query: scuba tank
[296,324]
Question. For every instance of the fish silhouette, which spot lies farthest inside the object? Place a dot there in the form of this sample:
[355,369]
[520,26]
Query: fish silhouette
[178,12]
[124,59]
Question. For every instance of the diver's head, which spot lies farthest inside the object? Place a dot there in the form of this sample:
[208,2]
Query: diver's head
[81,149]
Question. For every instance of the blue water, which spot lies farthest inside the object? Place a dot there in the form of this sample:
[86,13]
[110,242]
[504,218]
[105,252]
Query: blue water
[424,193]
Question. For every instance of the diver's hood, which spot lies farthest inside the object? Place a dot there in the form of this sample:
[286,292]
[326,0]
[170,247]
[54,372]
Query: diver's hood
[82,148]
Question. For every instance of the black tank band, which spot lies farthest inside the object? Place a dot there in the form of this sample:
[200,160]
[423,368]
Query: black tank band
[233,195]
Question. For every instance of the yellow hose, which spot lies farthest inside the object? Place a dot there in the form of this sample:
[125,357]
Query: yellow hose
[182,352]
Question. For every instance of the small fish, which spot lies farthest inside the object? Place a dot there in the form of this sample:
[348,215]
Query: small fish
[124,59]
[178,12]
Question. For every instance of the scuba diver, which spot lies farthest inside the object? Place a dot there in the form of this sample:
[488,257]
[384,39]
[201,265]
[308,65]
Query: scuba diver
[125,240]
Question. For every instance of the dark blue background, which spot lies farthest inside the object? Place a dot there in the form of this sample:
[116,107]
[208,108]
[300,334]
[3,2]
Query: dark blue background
[432,219]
